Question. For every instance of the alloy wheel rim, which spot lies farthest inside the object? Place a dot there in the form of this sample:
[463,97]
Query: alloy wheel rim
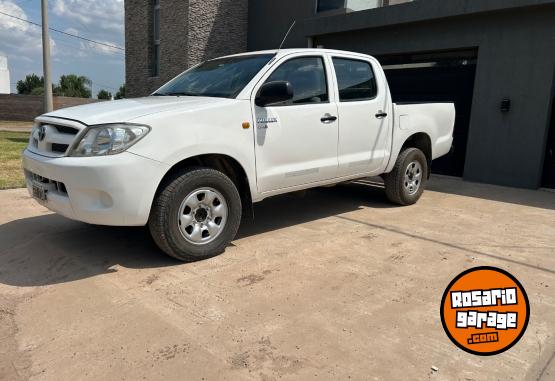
[413,177]
[202,216]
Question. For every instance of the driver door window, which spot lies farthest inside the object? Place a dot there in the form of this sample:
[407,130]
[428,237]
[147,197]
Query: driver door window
[308,78]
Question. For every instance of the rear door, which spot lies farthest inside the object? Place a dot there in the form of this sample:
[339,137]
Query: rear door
[364,123]
[296,140]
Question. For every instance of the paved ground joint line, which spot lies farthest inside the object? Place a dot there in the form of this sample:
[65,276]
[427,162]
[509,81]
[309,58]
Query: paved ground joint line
[393,230]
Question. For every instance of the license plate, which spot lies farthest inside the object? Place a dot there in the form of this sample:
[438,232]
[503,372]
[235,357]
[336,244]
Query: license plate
[39,192]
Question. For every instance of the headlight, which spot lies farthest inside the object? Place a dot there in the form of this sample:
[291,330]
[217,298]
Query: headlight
[109,139]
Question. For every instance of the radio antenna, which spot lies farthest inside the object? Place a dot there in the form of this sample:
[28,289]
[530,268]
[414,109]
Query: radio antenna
[287,34]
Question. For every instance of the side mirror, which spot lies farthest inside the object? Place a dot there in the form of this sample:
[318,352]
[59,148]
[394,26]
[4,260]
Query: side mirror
[273,92]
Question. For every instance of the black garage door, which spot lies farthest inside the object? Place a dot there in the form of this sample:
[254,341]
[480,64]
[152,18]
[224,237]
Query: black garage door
[549,163]
[437,77]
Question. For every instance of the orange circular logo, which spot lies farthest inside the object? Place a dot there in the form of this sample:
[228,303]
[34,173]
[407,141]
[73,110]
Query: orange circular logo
[485,311]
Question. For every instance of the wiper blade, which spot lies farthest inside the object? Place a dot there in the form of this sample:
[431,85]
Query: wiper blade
[174,94]
[179,93]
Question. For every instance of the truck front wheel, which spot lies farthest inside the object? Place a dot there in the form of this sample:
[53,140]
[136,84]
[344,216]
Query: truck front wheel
[405,183]
[196,215]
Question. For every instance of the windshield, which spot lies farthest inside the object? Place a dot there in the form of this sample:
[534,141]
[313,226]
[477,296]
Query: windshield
[222,77]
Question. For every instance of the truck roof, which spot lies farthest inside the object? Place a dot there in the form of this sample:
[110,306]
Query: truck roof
[284,52]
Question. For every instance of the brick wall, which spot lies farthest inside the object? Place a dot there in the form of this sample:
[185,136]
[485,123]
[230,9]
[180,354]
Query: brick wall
[28,107]
[191,31]
[216,28]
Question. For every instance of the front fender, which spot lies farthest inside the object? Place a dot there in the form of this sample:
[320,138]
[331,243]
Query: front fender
[218,129]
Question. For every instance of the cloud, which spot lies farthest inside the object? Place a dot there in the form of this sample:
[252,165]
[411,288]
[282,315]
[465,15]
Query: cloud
[105,15]
[18,37]
[99,20]
[83,48]
[22,40]
[103,49]
[72,31]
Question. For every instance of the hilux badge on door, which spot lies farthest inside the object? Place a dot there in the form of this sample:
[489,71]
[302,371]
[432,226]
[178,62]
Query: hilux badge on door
[263,122]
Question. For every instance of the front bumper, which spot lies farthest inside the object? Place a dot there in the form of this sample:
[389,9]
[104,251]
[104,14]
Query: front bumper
[112,190]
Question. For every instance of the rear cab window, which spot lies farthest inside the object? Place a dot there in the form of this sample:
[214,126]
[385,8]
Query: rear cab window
[356,80]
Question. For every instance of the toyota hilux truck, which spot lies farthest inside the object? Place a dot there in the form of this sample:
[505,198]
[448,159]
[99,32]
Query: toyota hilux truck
[192,157]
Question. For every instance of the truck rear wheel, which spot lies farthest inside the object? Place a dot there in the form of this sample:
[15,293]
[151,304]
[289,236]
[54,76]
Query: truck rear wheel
[196,215]
[405,183]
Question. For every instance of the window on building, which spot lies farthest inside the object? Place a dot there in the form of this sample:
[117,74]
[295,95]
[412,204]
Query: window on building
[355,79]
[308,78]
[330,5]
[354,5]
[155,65]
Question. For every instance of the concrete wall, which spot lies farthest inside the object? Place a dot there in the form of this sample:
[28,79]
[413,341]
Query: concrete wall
[28,107]
[191,31]
[269,20]
[516,59]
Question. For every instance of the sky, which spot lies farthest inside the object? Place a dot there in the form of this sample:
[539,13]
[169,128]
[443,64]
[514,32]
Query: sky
[100,20]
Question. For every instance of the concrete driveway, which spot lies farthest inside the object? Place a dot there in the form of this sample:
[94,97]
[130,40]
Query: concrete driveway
[337,284]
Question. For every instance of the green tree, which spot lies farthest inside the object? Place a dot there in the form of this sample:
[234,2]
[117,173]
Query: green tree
[30,83]
[72,85]
[121,92]
[38,91]
[103,94]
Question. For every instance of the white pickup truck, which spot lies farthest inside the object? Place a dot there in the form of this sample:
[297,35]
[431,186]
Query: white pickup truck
[190,158]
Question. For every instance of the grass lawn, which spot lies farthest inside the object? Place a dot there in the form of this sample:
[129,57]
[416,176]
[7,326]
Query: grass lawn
[11,146]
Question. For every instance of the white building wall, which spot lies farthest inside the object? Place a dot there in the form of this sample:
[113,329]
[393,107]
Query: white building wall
[4,76]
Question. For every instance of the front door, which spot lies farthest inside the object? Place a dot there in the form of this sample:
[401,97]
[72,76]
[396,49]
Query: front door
[296,140]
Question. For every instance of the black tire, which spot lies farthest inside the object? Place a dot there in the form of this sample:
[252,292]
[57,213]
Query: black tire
[163,222]
[395,188]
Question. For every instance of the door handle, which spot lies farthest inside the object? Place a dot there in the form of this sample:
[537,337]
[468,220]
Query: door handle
[381,114]
[328,118]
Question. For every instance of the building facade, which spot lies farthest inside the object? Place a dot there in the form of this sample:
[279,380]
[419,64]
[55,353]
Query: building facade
[164,37]
[4,75]
[494,58]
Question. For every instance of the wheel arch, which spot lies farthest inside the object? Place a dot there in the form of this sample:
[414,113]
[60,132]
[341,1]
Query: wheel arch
[423,142]
[226,164]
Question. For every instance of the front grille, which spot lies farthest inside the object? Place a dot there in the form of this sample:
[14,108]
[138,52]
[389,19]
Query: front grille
[66,130]
[61,148]
[58,186]
[52,137]
[37,178]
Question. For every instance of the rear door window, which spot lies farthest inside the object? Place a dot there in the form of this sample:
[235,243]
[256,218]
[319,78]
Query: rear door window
[355,79]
